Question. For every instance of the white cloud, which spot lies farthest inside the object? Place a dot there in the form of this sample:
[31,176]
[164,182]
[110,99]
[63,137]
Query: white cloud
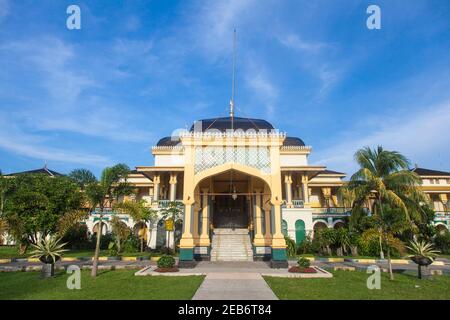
[423,136]
[294,41]
[55,60]
[264,89]
[214,22]
[314,59]
[33,146]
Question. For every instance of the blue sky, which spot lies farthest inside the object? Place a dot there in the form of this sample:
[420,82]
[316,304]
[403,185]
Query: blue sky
[137,70]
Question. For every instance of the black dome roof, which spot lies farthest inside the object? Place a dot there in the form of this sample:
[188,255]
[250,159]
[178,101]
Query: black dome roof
[293,142]
[224,124]
[168,141]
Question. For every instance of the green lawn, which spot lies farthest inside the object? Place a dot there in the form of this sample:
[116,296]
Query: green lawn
[108,285]
[352,285]
[8,252]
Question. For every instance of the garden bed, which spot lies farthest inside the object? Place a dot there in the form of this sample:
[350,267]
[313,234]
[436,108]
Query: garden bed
[296,269]
[163,270]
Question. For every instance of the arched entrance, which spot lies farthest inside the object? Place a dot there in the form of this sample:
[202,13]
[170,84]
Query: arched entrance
[319,225]
[233,200]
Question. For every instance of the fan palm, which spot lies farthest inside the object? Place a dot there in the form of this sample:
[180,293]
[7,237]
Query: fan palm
[385,181]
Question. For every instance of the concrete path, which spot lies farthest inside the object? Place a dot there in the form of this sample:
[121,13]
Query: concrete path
[234,286]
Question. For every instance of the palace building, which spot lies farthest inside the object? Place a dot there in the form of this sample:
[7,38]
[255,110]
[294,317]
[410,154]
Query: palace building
[243,186]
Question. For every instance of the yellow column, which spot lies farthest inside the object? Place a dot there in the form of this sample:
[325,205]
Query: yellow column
[187,240]
[173,187]
[267,219]
[305,189]
[278,241]
[195,225]
[156,182]
[288,186]
[258,235]
[278,237]
[444,200]
[204,238]
[326,194]
[267,223]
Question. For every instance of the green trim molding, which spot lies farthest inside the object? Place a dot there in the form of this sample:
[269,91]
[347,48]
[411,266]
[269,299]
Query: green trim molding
[279,254]
[186,254]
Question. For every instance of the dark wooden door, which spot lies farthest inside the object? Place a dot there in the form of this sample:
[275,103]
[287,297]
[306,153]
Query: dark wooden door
[229,213]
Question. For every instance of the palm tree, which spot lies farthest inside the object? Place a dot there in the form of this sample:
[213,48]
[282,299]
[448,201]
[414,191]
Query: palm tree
[384,183]
[102,194]
[139,212]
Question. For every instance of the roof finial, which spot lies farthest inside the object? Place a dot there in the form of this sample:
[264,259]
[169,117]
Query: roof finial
[233,82]
[45,165]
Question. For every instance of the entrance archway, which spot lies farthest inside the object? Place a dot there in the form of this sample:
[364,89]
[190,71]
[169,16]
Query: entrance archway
[233,198]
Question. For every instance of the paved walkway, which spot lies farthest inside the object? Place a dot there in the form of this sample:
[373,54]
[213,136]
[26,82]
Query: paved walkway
[234,286]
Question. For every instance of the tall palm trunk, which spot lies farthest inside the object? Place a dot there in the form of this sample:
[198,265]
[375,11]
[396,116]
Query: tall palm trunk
[380,230]
[97,246]
[391,274]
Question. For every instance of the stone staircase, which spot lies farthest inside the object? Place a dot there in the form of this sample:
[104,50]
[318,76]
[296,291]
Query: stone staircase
[231,245]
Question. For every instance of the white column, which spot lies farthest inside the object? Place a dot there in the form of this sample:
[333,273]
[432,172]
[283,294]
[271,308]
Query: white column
[173,187]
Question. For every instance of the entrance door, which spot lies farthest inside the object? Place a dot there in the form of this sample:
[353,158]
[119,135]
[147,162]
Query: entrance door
[229,213]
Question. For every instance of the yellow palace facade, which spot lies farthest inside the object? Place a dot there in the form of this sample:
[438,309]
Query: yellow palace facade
[245,185]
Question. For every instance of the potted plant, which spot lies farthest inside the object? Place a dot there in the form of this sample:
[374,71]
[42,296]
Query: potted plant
[423,254]
[48,251]
[166,264]
[303,266]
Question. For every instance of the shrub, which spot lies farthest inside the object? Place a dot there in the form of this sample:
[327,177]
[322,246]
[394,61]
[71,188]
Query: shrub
[303,262]
[77,237]
[166,261]
[291,248]
[442,242]
[131,244]
[307,246]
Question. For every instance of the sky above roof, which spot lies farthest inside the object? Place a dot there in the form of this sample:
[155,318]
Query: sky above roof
[138,70]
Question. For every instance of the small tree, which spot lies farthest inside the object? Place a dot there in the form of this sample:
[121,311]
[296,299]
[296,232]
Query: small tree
[120,231]
[35,205]
[342,241]
[173,211]
[326,238]
[113,184]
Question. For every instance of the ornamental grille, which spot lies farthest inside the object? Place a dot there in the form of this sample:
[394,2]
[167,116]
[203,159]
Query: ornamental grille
[210,157]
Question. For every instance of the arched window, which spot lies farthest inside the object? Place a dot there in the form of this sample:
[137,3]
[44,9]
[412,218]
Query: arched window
[300,232]
[319,226]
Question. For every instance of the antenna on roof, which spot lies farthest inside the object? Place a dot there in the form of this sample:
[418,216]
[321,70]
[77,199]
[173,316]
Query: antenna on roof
[233,82]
